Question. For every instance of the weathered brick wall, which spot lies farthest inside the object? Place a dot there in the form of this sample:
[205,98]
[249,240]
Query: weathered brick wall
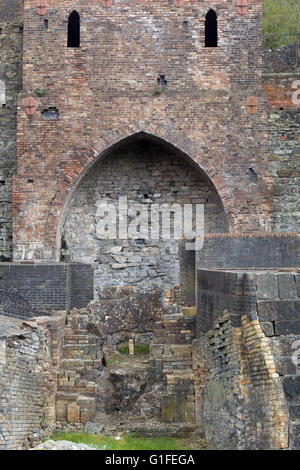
[281,85]
[26,382]
[104,92]
[28,290]
[278,307]
[240,399]
[284,165]
[249,336]
[145,174]
[172,364]
[11,29]
[249,251]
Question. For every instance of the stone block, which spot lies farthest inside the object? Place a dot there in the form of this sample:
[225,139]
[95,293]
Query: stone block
[73,413]
[191,311]
[298,285]
[267,328]
[266,284]
[283,346]
[294,436]
[168,408]
[291,386]
[287,286]
[294,411]
[285,366]
[287,327]
[280,310]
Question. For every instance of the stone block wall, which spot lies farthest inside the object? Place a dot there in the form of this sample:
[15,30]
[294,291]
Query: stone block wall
[11,38]
[281,60]
[281,85]
[284,165]
[278,308]
[28,290]
[26,385]
[172,364]
[247,332]
[79,368]
[145,174]
[226,251]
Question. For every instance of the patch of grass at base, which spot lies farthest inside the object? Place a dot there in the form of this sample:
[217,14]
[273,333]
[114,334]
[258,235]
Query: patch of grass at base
[138,349]
[127,442]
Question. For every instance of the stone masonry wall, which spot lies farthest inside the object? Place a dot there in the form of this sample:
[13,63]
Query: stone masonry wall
[228,251]
[26,382]
[284,166]
[104,92]
[11,36]
[145,174]
[281,85]
[278,307]
[28,290]
[241,399]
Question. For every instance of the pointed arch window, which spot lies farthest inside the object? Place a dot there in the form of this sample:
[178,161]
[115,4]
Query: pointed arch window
[74,29]
[211,29]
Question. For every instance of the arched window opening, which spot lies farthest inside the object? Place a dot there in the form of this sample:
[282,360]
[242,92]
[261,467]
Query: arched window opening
[74,30]
[211,29]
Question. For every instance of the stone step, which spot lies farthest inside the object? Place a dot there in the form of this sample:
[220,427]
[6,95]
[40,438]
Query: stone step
[77,390]
[76,336]
[184,374]
[79,364]
[189,311]
[176,430]
[76,340]
[80,347]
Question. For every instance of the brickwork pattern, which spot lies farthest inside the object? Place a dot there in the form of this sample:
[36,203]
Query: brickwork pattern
[248,328]
[172,362]
[81,356]
[28,290]
[284,164]
[242,389]
[110,88]
[26,384]
[11,36]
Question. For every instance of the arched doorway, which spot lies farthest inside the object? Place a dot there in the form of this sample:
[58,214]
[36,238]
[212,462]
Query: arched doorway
[146,172]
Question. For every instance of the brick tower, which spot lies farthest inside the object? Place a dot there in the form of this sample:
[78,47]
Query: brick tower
[100,76]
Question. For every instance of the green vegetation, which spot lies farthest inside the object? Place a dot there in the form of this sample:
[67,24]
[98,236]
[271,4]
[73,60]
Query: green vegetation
[281,21]
[138,349]
[158,90]
[127,442]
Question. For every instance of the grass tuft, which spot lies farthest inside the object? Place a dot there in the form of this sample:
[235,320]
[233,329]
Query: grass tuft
[138,349]
[127,442]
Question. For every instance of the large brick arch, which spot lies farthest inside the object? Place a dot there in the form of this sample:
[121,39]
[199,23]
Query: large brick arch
[73,171]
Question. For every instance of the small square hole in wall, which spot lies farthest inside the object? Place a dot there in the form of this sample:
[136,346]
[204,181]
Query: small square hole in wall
[46,24]
[50,113]
[252,175]
[2,183]
[30,181]
[185,24]
[162,80]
